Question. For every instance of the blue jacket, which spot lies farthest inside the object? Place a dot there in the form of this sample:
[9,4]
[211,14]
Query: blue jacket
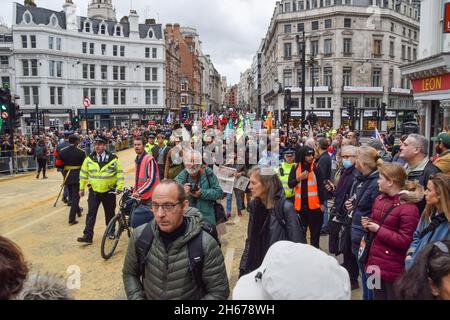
[366,189]
[442,232]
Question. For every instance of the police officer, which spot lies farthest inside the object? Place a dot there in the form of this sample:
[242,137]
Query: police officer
[151,143]
[284,170]
[63,144]
[102,172]
[71,159]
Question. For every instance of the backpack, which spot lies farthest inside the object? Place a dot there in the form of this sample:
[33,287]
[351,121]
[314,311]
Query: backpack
[195,251]
[39,151]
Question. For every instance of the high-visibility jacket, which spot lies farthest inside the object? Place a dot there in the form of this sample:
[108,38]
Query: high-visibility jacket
[102,177]
[149,147]
[313,190]
[147,176]
[283,172]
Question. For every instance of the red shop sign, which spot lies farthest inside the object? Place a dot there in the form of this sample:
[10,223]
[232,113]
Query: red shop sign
[447,18]
[431,84]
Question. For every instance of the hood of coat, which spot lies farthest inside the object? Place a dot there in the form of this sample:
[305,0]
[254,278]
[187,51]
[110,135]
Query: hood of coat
[194,222]
[414,193]
[45,287]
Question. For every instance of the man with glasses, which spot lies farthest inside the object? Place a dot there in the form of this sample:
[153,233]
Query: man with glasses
[443,150]
[158,264]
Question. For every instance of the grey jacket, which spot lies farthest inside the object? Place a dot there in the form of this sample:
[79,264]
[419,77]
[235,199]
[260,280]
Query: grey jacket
[167,275]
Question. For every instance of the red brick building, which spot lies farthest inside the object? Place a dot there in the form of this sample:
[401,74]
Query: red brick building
[173,70]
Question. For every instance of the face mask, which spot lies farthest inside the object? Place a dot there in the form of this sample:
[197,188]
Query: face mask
[347,164]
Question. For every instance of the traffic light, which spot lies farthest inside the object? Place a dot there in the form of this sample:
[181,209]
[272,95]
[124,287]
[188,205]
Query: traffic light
[16,114]
[5,99]
[350,111]
[75,122]
[383,111]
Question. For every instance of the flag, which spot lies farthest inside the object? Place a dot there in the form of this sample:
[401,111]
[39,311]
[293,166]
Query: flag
[269,122]
[377,135]
[209,120]
[169,118]
[240,129]
[229,130]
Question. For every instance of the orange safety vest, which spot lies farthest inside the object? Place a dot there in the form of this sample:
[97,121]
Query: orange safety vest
[147,177]
[313,191]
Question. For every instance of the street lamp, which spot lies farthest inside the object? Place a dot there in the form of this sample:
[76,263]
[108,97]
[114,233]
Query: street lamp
[301,51]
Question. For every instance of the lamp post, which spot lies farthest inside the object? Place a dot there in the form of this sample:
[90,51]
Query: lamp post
[301,51]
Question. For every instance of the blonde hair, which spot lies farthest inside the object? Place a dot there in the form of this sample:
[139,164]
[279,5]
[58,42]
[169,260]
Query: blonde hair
[441,182]
[369,157]
[395,173]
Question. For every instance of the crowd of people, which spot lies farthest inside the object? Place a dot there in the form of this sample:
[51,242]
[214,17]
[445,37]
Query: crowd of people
[385,208]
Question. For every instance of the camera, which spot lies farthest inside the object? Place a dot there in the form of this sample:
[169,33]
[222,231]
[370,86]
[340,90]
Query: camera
[194,187]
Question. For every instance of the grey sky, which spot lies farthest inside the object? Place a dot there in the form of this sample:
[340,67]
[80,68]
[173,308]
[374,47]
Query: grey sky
[230,30]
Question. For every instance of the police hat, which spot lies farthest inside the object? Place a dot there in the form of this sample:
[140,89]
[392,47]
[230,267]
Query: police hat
[289,151]
[152,135]
[68,133]
[100,139]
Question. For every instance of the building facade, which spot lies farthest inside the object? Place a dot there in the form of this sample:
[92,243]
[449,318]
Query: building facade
[231,97]
[430,75]
[7,74]
[244,89]
[61,58]
[353,50]
[173,71]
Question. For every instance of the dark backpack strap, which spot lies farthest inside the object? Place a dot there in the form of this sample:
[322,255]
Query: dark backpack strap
[196,257]
[143,245]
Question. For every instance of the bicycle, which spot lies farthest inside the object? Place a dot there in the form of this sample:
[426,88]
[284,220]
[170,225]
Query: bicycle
[118,224]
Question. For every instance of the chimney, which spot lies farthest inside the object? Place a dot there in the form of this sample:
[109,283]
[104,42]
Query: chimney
[150,21]
[70,10]
[133,20]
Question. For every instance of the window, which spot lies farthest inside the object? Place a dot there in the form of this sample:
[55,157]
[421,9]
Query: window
[26,94]
[92,71]
[118,31]
[60,95]
[154,74]
[85,71]
[87,27]
[347,46]
[376,78]
[314,47]
[287,7]
[414,54]
[372,103]
[35,95]
[104,96]
[300,27]
[315,76]
[287,28]
[104,72]
[347,23]
[115,73]
[115,51]
[50,42]
[116,96]
[403,52]
[84,47]
[287,78]
[147,52]
[392,27]
[58,43]
[91,48]
[147,73]
[148,94]
[24,42]
[404,31]
[122,51]
[287,50]
[92,97]
[122,73]
[391,78]
[52,95]
[51,68]
[415,35]
[123,96]
[313,4]
[391,49]
[154,96]
[102,29]
[34,68]
[4,60]
[409,33]
[328,23]
[377,48]
[55,68]
[321,103]
[315,25]
[328,47]
[33,41]
[329,102]
[27,17]
[154,53]
[327,3]
[301,5]
[103,49]
[328,76]
[150,34]
[409,53]
[85,92]
[347,76]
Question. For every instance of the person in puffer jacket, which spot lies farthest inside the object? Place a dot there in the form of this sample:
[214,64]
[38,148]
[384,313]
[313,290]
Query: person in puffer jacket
[392,237]
[167,275]
[435,222]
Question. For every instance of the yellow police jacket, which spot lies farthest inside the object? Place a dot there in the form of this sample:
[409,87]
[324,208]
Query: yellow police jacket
[102,178]
[149,147]
[283,173]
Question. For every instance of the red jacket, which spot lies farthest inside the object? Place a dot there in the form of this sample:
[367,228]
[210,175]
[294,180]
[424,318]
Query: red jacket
[147,176]
[393,239]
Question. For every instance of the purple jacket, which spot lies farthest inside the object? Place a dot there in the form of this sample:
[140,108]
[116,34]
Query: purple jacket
[393,239]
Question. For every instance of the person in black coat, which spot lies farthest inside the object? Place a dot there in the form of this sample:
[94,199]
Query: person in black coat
[323,163]
[272,218]
[71,159]
[310,217]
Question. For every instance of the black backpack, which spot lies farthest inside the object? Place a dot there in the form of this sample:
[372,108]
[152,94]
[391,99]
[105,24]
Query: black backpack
[195,251]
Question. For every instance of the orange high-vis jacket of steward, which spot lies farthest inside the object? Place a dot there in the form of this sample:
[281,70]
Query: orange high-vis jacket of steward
[313,190]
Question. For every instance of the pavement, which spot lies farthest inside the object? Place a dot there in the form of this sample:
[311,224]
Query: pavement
[49,243]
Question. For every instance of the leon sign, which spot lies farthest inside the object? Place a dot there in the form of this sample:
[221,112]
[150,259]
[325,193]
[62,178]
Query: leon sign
[435,83]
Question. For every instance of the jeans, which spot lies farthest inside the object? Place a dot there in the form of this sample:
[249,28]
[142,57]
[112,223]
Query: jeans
[239,199]
[367,293]
[325,215]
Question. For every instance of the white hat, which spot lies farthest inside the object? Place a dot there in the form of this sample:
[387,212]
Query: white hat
[295,271]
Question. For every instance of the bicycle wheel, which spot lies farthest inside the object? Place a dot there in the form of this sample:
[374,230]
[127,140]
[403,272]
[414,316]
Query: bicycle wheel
[109,243]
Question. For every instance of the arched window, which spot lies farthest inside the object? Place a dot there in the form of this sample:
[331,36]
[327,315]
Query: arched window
[118,31]
[103,29]
[54,21]
[87,27]
[27,17]
[150,34]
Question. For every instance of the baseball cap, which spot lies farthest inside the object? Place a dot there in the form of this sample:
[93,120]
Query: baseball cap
[295,271]
[444,137]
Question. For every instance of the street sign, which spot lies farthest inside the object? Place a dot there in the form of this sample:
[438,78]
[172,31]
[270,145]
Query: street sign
[87,102]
